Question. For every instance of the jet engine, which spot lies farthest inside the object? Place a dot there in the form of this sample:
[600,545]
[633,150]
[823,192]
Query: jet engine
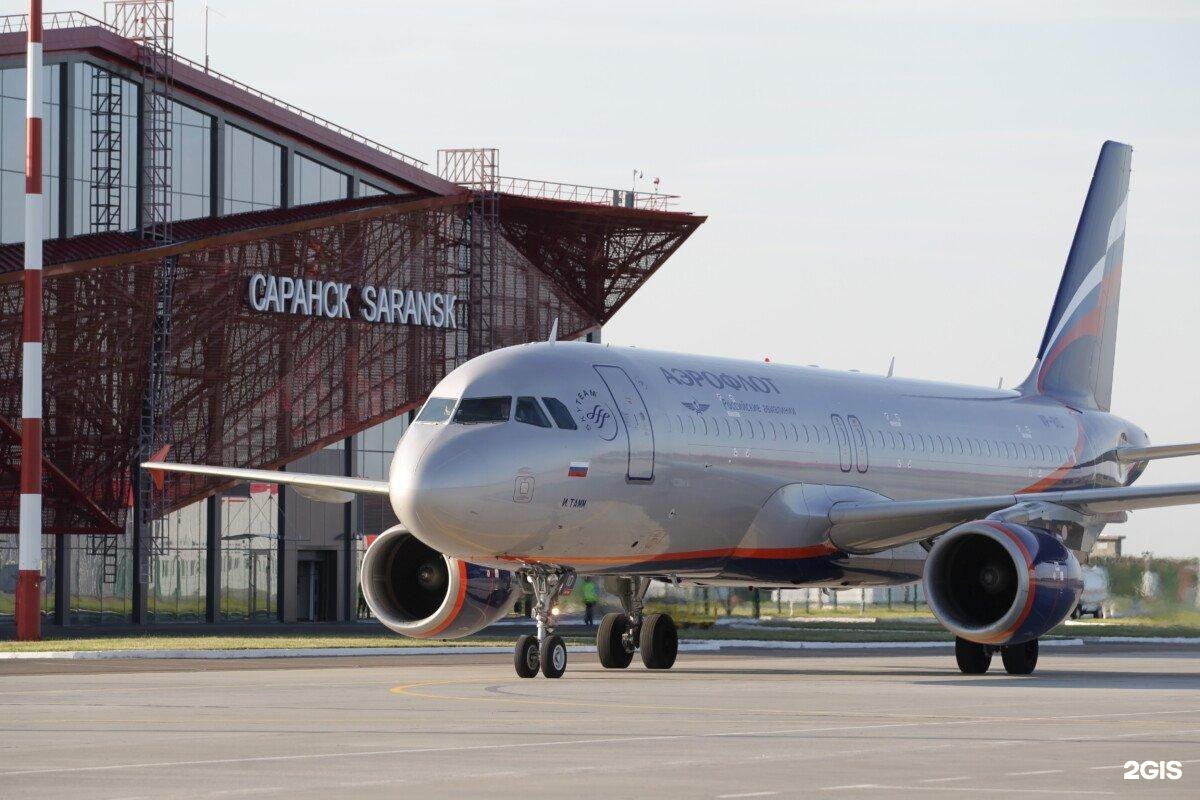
[1000,583]
[415,590]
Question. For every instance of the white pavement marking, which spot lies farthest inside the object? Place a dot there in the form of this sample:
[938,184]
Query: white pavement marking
[996,791]
[746,794]
[767,644]
[609,740]
[946,780]
[1036,772]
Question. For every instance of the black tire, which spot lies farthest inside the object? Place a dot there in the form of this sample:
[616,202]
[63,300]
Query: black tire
[610,644]
[525,659]
[1020,659]
[972,658]
[554,656]
[1099,612]
[659,641]
[1076,612]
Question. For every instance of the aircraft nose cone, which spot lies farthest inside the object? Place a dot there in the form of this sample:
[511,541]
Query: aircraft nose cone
[460,494]
[440,495]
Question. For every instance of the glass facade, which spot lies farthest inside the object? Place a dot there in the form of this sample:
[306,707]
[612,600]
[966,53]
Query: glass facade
[373,451]
[177,566]
[99,577]
[314,182]
[8,575]
[91,138]
[99,139]
[370,190]
[12,151]
[249,532]
[253,172]
[191,163]
[99,151]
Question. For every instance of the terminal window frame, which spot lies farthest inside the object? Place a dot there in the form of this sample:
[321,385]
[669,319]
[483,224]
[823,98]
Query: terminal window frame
[482,410]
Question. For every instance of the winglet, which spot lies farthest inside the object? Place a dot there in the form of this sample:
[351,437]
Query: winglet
[554,331]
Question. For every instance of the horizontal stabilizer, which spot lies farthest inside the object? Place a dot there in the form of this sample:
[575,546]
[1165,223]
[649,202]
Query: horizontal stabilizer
[1132,455]
[327,487]
[877,525]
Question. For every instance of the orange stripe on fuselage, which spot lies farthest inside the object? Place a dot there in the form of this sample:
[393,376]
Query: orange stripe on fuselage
[1051,480]
[813,551]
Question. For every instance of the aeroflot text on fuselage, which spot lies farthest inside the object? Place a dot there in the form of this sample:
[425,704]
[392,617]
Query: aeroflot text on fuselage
[335,300]
[693,377]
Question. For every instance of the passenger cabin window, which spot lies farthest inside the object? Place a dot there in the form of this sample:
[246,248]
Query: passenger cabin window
[558,410]
[436,409]
[474,410]
[529,412]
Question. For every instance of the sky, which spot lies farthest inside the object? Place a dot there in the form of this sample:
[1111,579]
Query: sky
[880,178]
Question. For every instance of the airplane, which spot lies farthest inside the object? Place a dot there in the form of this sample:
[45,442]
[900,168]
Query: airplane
[532,464]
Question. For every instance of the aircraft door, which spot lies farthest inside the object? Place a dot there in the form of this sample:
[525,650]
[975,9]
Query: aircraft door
[632,410]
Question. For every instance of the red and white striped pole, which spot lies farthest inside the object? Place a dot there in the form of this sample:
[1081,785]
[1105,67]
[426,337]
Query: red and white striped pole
[29,580]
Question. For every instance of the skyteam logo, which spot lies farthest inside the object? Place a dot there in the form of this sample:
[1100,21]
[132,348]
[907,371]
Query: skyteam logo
[696,405]
[592,413]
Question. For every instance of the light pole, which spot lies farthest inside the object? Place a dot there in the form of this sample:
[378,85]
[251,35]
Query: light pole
[29,577]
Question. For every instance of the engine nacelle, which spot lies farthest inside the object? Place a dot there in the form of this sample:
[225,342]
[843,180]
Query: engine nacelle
[415,590]
[999,583]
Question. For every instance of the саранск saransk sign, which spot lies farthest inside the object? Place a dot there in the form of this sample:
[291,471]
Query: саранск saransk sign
[283,294]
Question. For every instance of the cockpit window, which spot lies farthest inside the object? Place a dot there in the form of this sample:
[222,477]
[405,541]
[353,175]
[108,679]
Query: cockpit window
[562,417]
[483,409]
[437,409]
[529,412]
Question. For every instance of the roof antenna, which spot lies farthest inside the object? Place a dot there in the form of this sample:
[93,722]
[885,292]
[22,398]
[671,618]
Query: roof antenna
[1000,385]
[554,331]
[892,367]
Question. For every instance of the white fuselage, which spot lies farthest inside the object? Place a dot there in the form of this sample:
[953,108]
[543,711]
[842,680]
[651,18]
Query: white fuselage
[715,469]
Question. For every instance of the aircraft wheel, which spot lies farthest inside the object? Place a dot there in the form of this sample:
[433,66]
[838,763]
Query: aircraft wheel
[1076,613]
[610,643]
[1020,659]
[554,656]
[1099,612]
[659,641]
[525,659]
[972,658]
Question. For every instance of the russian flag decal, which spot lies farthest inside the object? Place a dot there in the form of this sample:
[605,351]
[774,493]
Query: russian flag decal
[578,469]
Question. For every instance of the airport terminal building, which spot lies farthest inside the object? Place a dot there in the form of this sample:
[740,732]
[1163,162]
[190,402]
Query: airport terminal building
[232,280]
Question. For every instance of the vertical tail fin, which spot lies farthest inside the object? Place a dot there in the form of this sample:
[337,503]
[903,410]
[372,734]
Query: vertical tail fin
[1075,361]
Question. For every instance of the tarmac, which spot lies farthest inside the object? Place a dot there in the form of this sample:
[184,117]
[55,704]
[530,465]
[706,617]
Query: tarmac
[768,724]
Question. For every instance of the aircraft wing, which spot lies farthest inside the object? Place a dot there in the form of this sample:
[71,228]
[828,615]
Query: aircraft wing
[869,526]
[324,488]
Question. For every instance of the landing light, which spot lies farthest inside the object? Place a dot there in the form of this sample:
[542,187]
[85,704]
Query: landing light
[554,611]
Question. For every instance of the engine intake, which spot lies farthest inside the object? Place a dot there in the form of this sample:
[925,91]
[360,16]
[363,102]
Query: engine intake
[415,590]
[1001,583]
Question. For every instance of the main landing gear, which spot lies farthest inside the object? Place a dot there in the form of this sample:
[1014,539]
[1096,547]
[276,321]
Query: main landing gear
[621,634]
[546,652]
[974,658]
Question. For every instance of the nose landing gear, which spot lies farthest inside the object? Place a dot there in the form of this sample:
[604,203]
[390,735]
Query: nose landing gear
[545,652]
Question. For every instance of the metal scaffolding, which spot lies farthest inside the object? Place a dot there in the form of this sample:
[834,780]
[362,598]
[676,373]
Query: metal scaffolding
[106,140]
[151,24]
[477,168]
